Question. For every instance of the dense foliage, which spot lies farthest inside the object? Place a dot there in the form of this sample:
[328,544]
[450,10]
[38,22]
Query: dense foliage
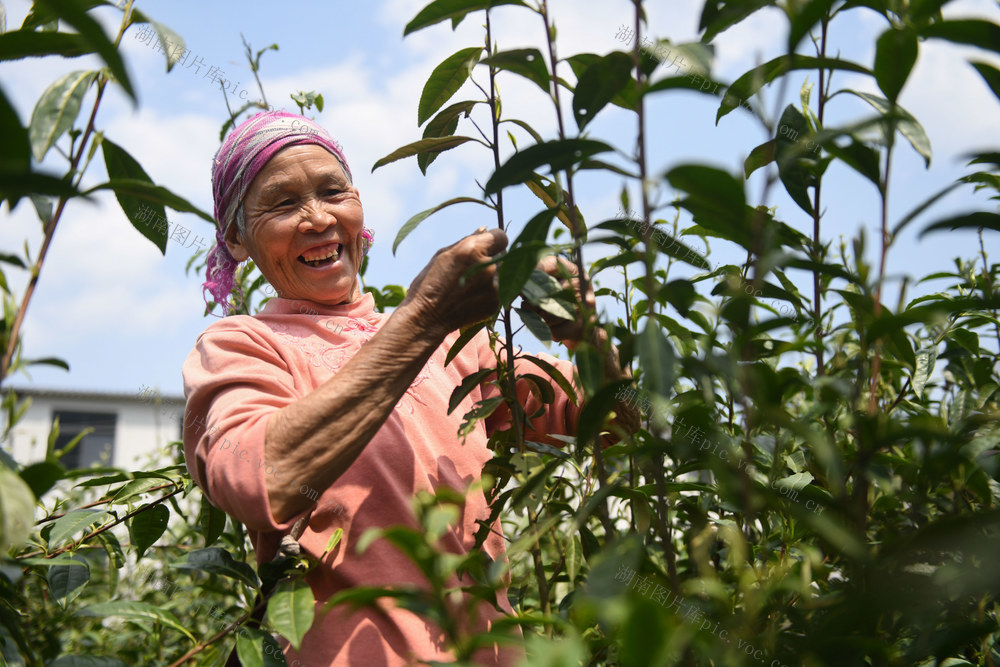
[815,480]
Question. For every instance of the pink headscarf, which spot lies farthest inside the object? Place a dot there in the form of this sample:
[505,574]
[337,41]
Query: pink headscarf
[240,158]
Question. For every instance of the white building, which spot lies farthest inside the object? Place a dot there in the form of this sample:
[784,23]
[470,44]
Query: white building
[127,428]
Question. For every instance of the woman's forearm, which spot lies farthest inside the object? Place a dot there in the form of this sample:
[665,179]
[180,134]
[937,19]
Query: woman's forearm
[315,439]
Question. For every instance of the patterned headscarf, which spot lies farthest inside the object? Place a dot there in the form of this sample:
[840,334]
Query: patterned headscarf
[240,158]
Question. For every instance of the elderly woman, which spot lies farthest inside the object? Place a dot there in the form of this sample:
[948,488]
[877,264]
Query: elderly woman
[290,416]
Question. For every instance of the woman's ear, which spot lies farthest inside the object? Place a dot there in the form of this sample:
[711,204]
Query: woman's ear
[234,242]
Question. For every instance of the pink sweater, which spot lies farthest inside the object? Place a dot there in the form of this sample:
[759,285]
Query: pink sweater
[243,369]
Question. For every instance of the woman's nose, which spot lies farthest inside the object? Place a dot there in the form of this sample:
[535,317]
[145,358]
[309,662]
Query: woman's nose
[315,214]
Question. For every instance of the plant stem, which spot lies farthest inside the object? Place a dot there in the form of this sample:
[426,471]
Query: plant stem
[50,228]
[817,241]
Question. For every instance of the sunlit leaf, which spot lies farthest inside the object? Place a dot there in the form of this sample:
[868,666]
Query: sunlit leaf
[147,527]
[445,81]
[291,610]
[17,509]
[906,123]
[895,55]
[75,14]
[558,155]
[454,10]
[528,63]
[56,110]
[217,561]
[66,581]
[749,83]
[73,522]
[413,222]
[18,44]
[140,612]
[599,84]
[432,145]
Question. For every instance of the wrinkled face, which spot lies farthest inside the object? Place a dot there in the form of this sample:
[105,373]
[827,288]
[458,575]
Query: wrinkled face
[303,227]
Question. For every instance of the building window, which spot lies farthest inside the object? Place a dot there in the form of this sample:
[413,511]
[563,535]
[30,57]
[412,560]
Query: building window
[94,445]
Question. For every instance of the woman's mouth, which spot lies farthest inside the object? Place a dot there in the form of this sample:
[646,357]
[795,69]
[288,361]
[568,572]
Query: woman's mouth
[322,257]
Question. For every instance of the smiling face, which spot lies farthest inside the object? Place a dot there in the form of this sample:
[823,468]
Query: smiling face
[303,227]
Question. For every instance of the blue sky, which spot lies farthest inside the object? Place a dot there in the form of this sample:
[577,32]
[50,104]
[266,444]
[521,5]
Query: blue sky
[125,316]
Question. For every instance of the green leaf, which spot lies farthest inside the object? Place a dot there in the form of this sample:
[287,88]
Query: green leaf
[443,124]
[445,81]
[516,269]
[17,509]
[212,521]
[431,145]
[544,291]
[56,110]
[749,83]
[135,488]
[258,649]
[895,55]
[147,527]
[760,156]
[332,543]
[42,476]
[85,661]
[137,611]
[529,63]
[217,561]
[859,157]
[173,44]
[536,325]
[991,75]
[905,123]
[15,186]
[15,158]
[466,335]
[73,522]
[469,383]
[599,84]
[291,610]
[482,410]
[46,361]
[974,32]
[974,220]
[41,15]
[805,15]
[141,189]
[66,581]
[657,358]
[595,410]
[559,154]
[720,15]
[144,218]
[18,44]
[795,176]
[455,10]
[76,15]
[413,222]
[923,370]
[574,558]
[555,374]
[716,200]
[590,367]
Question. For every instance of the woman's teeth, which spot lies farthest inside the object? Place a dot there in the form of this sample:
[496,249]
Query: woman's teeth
[319,260]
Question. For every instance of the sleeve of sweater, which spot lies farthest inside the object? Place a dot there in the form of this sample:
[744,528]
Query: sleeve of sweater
[559,417]
[234,381]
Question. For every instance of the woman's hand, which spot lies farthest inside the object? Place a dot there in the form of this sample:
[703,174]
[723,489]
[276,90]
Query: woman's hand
[447,295]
